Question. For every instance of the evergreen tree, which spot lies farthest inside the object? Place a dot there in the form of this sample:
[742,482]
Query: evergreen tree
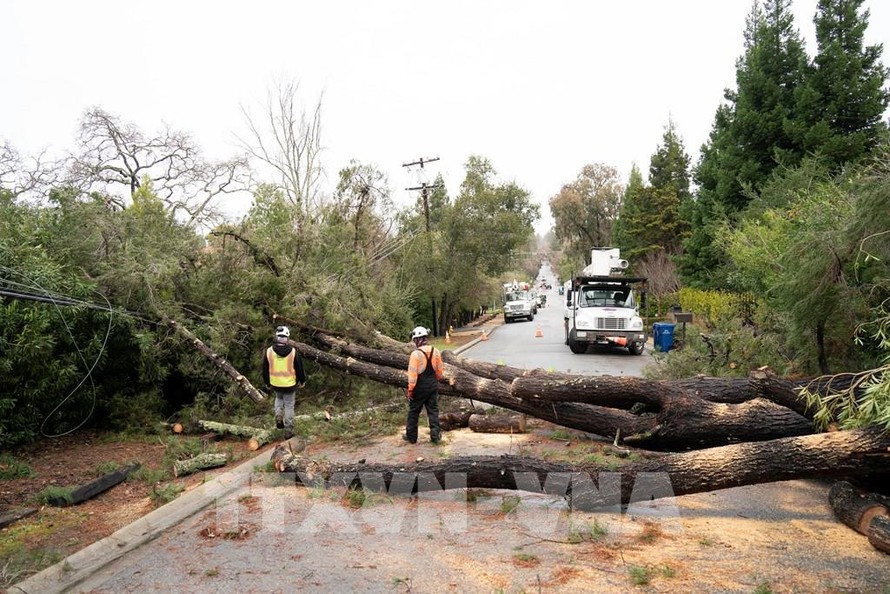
[622,231]
[752,134]
[669,165]
[844,98]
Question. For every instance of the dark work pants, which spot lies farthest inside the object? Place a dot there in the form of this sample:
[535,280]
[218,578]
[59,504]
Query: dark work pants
[415,405]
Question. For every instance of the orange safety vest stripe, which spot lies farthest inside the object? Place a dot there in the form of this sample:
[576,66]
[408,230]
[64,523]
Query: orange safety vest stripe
[417,364]
[281,369]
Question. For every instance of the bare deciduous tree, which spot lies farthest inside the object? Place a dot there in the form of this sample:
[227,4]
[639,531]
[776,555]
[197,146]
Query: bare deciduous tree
[20,175]
[660,271]
[288,139]
[113,153]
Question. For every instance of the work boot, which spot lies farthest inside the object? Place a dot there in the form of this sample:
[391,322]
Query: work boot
[279,422]
[408,439]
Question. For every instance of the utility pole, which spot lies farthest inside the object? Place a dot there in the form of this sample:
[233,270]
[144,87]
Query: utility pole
[424,192]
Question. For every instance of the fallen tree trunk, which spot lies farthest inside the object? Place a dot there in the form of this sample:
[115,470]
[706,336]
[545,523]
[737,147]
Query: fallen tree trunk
[199,462]
[15,516]
[686,422]
[219,361]
[95,487]
[866,513]
[836,454]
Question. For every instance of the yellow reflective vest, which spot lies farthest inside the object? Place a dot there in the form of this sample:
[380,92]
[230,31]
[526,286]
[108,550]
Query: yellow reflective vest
[281,369]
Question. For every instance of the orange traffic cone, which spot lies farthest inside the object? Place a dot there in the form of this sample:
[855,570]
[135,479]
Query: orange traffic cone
[484,335]
[538,332]
[447,337]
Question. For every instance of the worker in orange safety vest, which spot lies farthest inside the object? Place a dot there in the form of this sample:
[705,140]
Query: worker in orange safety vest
[425,369]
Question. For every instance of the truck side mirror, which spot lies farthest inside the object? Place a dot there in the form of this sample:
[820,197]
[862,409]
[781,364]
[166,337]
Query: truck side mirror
[569,297]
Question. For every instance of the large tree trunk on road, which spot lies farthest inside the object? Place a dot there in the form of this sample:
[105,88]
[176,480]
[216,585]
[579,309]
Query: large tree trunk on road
[684,422]
[836,454]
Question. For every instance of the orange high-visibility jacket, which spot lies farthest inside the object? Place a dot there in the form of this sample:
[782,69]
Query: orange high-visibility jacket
[417,364]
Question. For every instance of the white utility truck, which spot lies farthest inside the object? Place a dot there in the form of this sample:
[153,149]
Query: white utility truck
[518,302]
[602,307]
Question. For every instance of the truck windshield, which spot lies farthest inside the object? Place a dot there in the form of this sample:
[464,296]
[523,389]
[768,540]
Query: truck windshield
[516,296]
[597,297]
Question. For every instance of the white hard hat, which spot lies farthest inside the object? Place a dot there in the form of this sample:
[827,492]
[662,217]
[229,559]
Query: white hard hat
[419,332]
[282,331]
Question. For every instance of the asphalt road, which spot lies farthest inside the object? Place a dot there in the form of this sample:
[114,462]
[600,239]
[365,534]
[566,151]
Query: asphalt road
[518,344]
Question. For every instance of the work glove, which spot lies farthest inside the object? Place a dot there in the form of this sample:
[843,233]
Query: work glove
[409,394]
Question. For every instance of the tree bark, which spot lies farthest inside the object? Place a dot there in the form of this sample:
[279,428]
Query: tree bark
[229,429]
[95,487]
[15,516]
[219,361]
[836,454]
[879,533]
[866,513]
[454,420]
[199,462]
[684,421]
[497,423]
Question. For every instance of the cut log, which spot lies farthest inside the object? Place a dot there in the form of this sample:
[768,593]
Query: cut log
[93,488]
[229,429]
[243,384]
[879,533]
[854,508]
[15,516]
[260,439]
[174,427]
[456,420]
[837,454]
[497,423]
[866,513]
[199,462]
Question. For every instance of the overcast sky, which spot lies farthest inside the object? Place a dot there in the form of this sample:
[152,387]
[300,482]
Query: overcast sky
[539,88]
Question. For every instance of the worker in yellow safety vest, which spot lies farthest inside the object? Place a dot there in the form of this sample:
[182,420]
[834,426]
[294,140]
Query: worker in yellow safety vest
[283,372]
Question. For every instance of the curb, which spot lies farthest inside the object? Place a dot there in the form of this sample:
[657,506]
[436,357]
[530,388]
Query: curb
[475,341]
[77,567]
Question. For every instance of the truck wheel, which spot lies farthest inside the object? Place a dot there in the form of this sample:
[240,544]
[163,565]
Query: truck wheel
[579,348]
[531,318]
[506,320]
[635,348]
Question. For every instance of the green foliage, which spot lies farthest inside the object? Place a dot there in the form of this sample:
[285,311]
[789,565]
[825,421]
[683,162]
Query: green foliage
[52,494]
[843,100]
[639,575]
[712,307]
[585,211]
[12,468]
[163,494]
